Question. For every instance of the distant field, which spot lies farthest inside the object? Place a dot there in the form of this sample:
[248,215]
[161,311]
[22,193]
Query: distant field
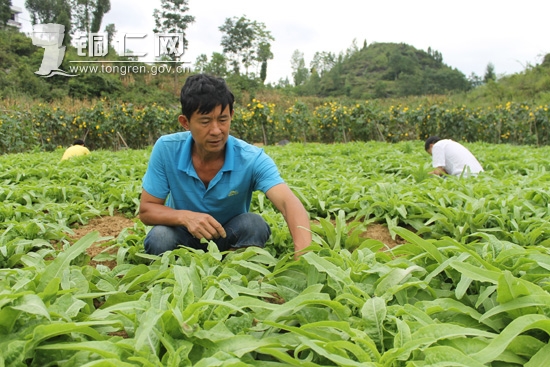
[466,285]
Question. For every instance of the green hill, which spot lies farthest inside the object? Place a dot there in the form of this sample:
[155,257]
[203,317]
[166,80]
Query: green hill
[384,70]
[532,85]
[19,59]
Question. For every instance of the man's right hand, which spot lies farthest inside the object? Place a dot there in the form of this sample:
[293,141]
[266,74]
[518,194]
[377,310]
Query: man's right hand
[152,211]
[202,225]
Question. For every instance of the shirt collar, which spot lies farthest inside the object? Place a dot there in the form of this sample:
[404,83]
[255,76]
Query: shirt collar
[229,162]
[187,164]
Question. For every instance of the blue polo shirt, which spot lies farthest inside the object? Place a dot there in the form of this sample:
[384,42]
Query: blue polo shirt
[171,173]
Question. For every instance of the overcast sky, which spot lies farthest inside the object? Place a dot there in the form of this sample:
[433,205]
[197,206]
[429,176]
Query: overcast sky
[469,34]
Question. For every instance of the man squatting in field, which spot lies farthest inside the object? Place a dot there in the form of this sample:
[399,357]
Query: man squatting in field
[199,183]
[451,158]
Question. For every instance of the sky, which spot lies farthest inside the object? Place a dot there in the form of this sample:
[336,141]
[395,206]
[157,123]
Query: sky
[469,34]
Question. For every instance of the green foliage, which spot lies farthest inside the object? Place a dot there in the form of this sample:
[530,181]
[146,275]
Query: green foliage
[105,125]
[256,123]
[245,43]
[20,59]
[384,70]
[53,11]
[102,126]
[468,286]
[490,75]
[5,12]
[532,84]
[378,71]
[300,73]
[172,18]
[216,66]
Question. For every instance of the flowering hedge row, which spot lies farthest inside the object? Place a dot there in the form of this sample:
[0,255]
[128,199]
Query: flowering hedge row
[102,126]
[514,123]
[106,125]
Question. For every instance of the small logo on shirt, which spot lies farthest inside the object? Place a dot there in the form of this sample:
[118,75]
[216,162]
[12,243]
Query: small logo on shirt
[232,193]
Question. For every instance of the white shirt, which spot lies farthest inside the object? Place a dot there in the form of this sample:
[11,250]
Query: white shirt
[455,158]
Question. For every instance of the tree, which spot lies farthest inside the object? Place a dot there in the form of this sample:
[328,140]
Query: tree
[201,63]
[313,84]
[436,55]
[323,62]
[475,80]
[353,48]
[490,73]
[217,66]
[102,7]
[51,11]
[402,61]
[172,18]
[264,54]
[5,12]
[245,43]
[300,73]
[110,29]
[88,14]
[41,11]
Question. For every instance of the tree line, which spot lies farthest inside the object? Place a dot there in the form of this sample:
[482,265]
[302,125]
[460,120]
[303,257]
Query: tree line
[375,70]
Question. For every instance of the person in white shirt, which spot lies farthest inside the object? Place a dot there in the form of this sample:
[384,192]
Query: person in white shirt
[451,158]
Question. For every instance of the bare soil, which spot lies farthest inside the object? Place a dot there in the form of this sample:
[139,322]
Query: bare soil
[113,226]
[381,233]
[106,226]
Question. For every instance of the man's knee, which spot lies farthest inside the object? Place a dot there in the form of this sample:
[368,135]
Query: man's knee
[261,226]
[160,239]
[250,229]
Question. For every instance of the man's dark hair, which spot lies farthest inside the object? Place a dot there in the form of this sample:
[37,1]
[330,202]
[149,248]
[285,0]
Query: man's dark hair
[431,140]
[202,93]
[78,142]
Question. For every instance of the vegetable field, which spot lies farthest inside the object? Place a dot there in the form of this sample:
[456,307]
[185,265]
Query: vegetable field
[468,287]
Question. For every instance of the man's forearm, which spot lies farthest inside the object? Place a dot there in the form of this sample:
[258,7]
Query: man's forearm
[155,214]
[298,224]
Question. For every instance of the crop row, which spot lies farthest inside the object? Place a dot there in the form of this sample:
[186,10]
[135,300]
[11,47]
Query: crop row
[111,126]
[468,287]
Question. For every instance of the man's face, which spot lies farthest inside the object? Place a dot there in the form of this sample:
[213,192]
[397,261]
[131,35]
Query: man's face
[210,131]
[430,149]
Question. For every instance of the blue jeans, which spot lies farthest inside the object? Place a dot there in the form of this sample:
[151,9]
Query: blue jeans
[248,229]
